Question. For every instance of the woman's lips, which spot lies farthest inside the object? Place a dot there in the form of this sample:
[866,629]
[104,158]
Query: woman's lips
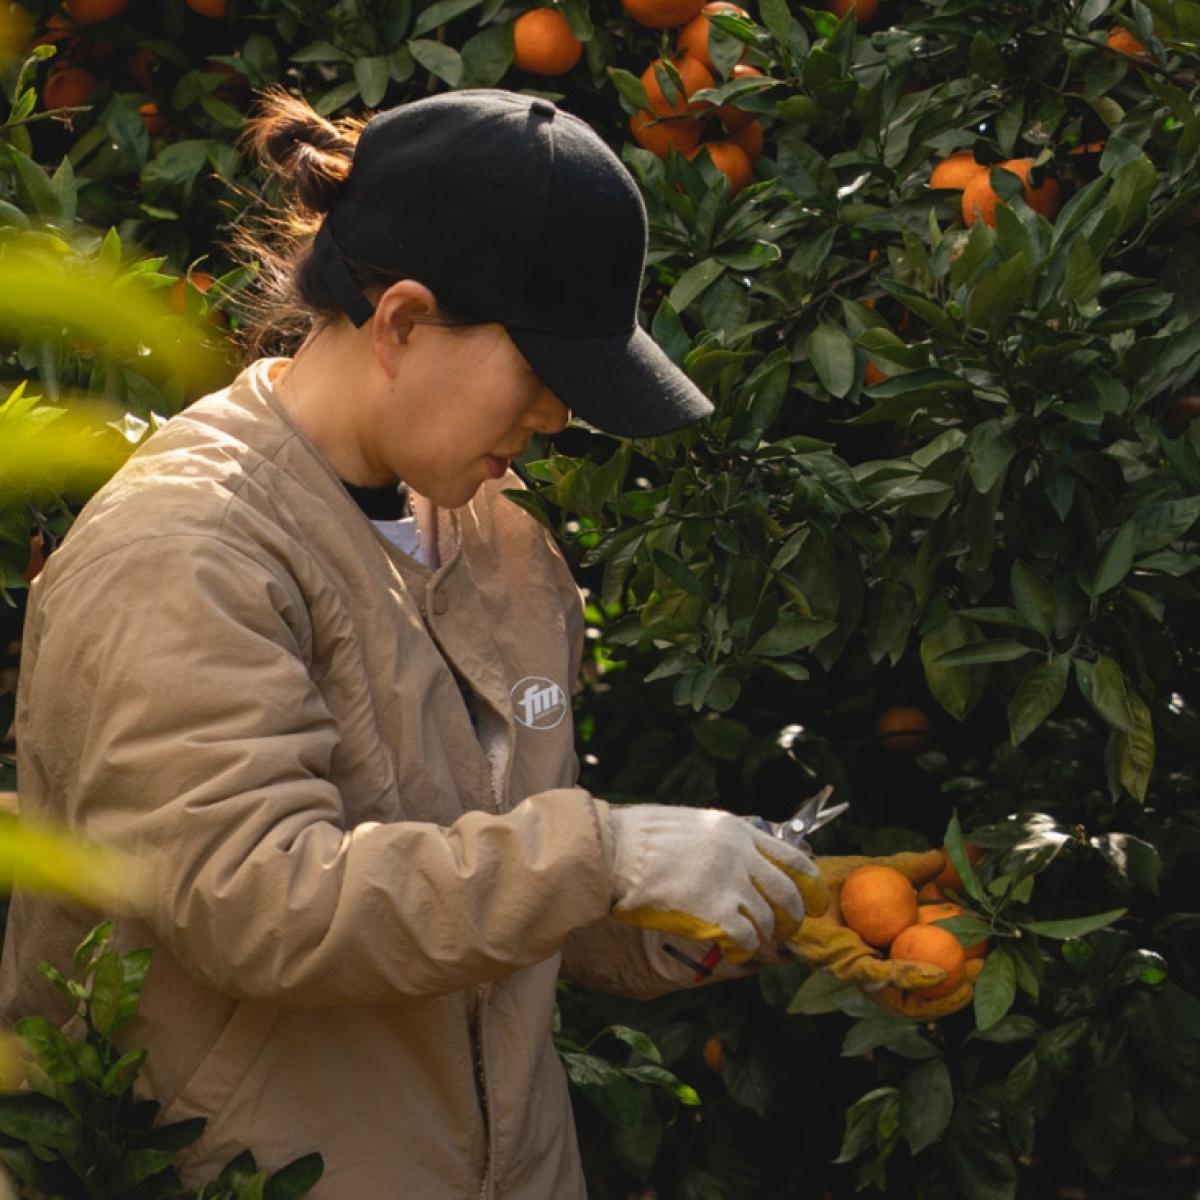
[496,466]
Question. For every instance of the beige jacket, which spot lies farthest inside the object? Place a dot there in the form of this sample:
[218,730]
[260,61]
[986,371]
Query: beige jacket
[365,904]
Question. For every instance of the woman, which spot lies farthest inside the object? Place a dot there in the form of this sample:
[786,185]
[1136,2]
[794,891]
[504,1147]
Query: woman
[340,731]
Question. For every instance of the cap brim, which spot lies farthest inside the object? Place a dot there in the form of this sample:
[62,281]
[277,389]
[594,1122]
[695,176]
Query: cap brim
[624,385]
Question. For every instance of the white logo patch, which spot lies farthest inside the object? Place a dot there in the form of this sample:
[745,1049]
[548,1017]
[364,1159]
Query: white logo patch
[538,703]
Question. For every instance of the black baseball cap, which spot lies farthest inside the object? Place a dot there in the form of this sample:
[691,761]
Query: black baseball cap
[512,211]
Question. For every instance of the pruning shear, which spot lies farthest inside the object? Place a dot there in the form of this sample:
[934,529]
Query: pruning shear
[812,814]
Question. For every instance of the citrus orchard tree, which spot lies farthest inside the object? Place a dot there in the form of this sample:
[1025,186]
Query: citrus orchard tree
[935,263]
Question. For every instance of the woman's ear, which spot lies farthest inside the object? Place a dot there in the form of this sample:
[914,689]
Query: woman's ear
[398,310]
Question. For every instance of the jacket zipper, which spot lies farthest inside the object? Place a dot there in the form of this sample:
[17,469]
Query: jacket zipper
[481,1087]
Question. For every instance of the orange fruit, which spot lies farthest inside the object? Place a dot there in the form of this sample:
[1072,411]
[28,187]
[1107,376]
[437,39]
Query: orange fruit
[948,879]
[1180,412]
[151,117]
[979,201]
[956,171]
[731,160]
[694,76]
[866,10]
[693,37]
[903,728]
[139,65]
[92,12]
[733,118]
[543,43]
[712,1054]
[927,914]
[659,137]
[750,139]
[69,87]
[877,903]
[930,893]
[1089,148]
[207,8]
[930,944]
[661,14]
[177,296]
[1119,38]
[873,375]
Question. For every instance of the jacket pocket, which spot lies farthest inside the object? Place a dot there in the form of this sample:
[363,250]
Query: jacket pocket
[226,1063]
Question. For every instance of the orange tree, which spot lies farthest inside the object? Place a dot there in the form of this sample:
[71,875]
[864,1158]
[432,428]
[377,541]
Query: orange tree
[938,545]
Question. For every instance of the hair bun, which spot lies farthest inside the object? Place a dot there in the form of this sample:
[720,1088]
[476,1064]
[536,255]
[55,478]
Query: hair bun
[313,152]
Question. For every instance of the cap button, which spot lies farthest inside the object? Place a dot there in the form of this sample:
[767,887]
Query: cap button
[543,107]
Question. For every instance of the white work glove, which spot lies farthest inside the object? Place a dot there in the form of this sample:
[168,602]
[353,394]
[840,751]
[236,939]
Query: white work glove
[707,875]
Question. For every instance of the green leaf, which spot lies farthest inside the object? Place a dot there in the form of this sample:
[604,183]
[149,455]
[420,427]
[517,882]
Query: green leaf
[957,851]
[1033,597]
[487,56]
[442,61]
[40,1121]
[319,52]
[441,13]
[983,652]
[54,1051]
[677,572]
[956,689]
[989,449]
[1136,750]
[295,1180]
[693,282]
[1133,185]
[1037,696]
[723,738]
[1116,562]
[749,1080]
[792,634]
[1074,927]
[669,332]
[862,1121]
[820,993]
[630,87]
[606,1086]
[998,292]
[926,1102]
[1103,686]
[832,355]
[1082,283]
[1158,525]
[638,1041]
[372,75]
[106,992]
[995,989]
[120,1075]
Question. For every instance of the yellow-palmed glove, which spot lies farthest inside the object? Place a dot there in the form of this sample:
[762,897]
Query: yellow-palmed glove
[825,942]
[709,876]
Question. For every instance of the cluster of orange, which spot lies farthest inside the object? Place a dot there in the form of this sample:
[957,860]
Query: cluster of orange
[881,905]
[962,173]
[70,83]
[543,44]
[678,123]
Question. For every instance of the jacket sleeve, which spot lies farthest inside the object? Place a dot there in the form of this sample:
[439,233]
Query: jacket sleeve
[172,710]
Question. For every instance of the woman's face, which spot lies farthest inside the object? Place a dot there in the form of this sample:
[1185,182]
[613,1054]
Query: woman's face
[463,402]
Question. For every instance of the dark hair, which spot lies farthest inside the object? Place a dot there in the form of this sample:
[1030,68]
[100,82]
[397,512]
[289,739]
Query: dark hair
[311,157]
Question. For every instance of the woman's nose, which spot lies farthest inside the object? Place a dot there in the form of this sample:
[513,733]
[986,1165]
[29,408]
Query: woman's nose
[553,414]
